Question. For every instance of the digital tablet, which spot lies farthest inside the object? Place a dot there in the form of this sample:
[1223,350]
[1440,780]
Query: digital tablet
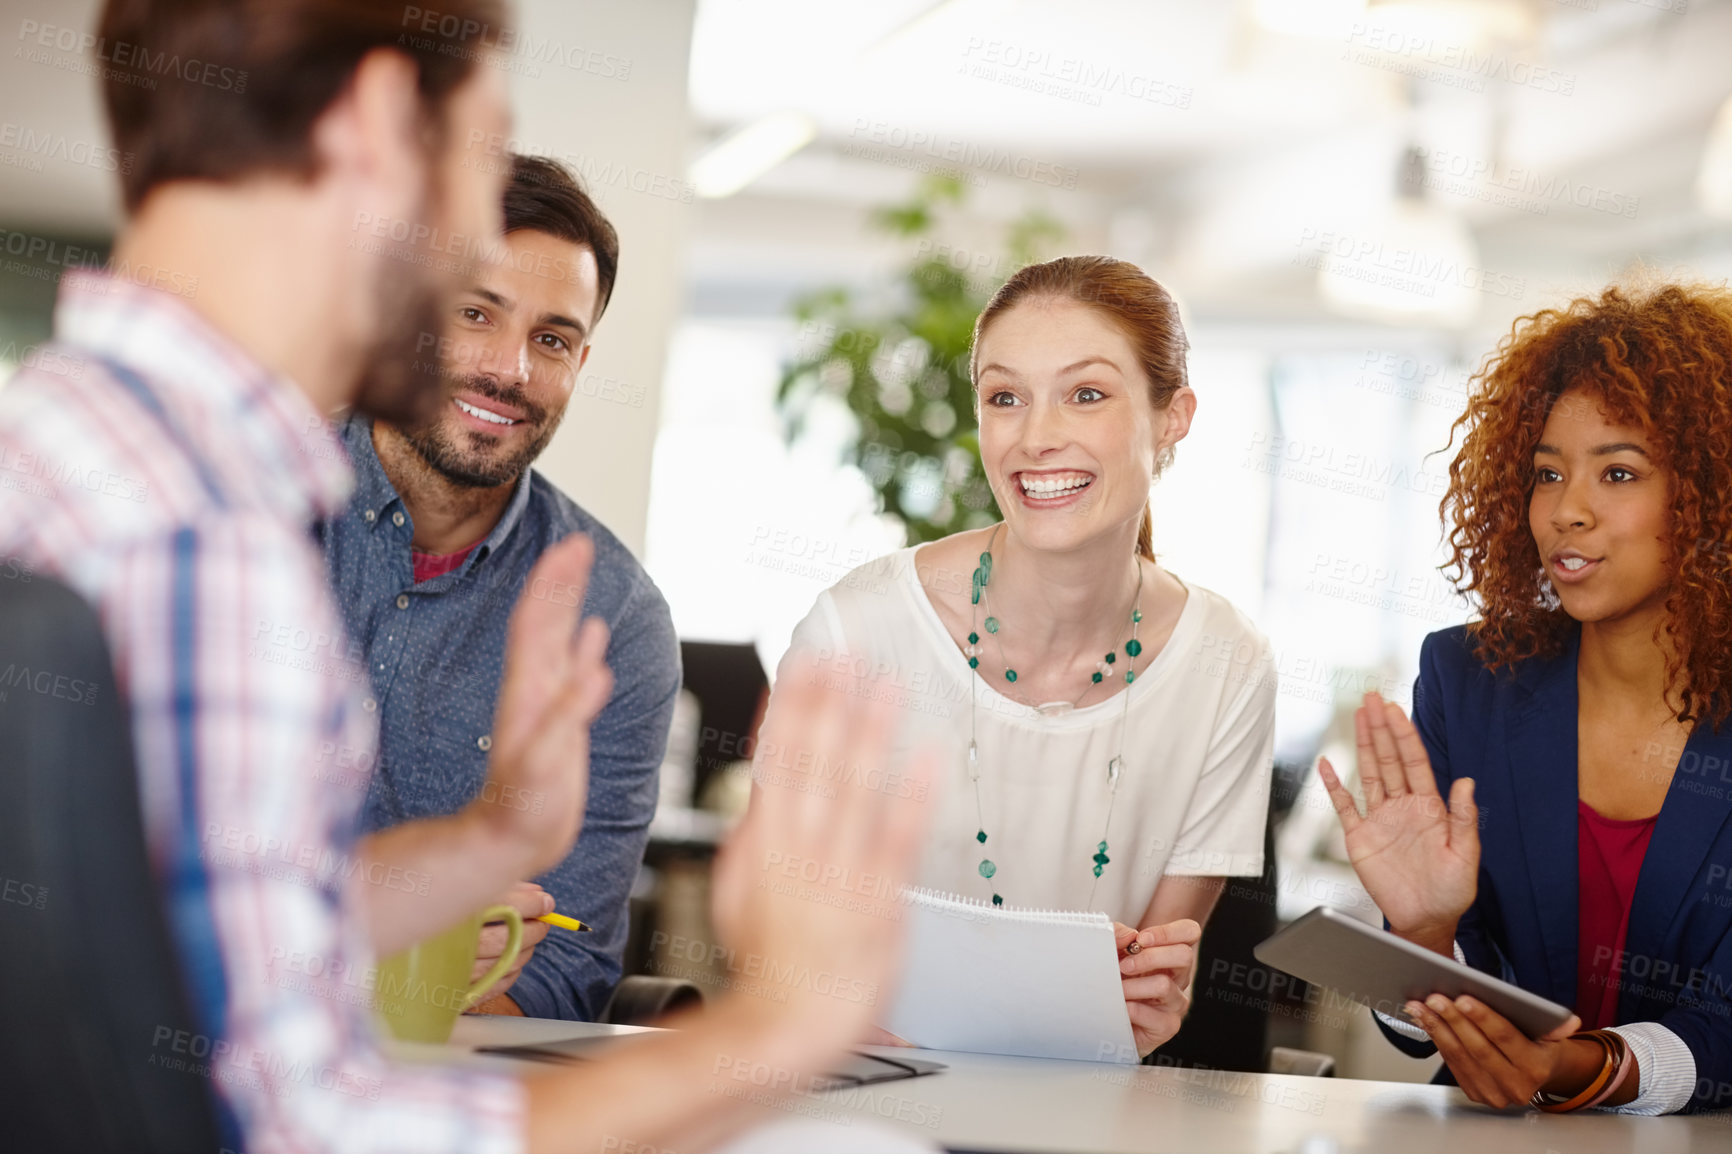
[1372,966]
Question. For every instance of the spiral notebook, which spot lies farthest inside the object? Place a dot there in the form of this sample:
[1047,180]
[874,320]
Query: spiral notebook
[1003,980]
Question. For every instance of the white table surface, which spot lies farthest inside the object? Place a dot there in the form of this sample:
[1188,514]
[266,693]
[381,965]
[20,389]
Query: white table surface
[1033,1106]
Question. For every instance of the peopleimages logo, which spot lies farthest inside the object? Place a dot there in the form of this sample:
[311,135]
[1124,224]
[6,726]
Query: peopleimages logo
[790,975]
[58,146]
[1495,181]
[134,58]
[58,254]
[965,154]
[1342,253]
[1457,65]
[1039,70]
[46,683]
[64,475]
[458,32]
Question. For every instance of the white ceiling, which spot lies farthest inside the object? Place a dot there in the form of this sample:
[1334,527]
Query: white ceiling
[1541,102]
[1278,132]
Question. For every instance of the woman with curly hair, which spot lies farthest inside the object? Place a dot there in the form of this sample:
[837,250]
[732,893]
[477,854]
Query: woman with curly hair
[1577,727]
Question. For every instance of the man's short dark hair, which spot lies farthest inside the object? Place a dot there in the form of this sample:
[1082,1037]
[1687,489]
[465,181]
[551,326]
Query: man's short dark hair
[220,89]
[545,196]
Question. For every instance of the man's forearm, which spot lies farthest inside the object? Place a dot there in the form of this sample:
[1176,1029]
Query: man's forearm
[425,876]
[681,1089]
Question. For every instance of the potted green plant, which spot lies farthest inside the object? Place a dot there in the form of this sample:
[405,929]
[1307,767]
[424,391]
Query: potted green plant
[903,372]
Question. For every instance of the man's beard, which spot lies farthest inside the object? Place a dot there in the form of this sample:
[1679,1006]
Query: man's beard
[464,456]
[401,381]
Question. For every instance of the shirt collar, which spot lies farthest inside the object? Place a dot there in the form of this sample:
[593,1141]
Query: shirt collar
[374,491]
[294,463]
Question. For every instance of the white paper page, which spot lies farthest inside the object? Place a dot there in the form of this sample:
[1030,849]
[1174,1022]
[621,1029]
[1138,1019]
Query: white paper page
[1038,984]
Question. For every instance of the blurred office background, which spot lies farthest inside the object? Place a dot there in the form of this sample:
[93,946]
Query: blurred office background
[1352,200]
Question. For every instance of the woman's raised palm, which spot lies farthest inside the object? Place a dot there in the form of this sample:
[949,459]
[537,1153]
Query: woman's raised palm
[1417,857]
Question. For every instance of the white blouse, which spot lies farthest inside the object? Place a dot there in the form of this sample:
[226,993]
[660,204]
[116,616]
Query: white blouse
[1198,733]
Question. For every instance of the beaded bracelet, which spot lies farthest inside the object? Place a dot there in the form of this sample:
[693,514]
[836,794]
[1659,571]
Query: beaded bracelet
[1611,1075]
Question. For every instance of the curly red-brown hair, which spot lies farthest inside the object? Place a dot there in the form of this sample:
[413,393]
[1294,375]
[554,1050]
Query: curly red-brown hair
[1655,357]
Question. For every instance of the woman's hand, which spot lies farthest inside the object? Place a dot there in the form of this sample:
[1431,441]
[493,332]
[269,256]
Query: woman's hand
[1156,978]
[1417,857]
[1495,1064]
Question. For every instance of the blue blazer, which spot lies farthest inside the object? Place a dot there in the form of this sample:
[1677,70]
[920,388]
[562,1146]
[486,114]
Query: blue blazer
[1514,733]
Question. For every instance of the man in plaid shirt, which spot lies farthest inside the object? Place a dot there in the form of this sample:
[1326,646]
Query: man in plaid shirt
[299,214]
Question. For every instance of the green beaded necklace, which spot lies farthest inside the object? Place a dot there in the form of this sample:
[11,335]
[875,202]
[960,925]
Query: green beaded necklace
[1115,767]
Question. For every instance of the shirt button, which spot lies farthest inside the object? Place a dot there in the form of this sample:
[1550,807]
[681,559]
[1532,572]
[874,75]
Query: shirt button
[369,705]
[402,601]
[397,518]
[369,516]
[485,741]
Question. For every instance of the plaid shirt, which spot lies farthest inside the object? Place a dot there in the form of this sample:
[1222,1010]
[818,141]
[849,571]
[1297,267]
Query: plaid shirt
[174,483]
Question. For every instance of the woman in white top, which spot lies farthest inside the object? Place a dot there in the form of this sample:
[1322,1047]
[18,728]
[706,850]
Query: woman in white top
[1105,727]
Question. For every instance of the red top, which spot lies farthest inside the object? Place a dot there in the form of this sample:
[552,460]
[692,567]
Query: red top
[431,565]
[1609,857]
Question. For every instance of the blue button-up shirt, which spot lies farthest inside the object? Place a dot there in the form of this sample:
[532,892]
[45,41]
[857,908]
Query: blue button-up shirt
[435,653]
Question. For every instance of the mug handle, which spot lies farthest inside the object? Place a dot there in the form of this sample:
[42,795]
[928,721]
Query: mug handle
[514,940]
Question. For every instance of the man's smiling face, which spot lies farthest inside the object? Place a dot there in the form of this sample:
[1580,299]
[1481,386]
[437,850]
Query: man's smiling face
[515,343]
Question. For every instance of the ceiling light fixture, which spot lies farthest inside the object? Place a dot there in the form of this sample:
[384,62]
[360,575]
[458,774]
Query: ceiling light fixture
[748,153]
[1418,265]
[1308,17]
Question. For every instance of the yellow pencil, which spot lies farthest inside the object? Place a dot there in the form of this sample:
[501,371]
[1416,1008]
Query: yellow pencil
[563,922]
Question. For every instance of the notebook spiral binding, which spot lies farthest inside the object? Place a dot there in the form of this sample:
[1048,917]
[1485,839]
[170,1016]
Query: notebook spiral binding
[975,908]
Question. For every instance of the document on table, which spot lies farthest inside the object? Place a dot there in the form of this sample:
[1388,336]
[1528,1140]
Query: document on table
[1002,980]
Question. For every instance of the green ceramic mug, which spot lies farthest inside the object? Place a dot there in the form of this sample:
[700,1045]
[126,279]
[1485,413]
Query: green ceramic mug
[421,991]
